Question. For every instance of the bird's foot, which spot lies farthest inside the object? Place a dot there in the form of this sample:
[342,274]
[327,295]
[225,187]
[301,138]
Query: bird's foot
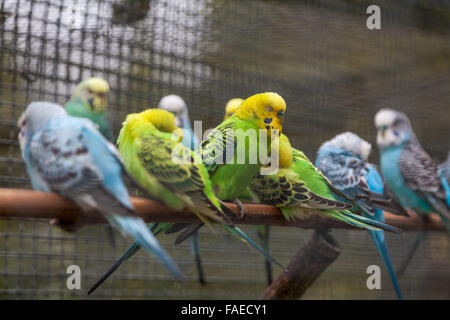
[69,226]
[239,204]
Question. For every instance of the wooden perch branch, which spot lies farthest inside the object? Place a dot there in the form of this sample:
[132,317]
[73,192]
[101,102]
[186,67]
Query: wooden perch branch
[20,203]
[304,268]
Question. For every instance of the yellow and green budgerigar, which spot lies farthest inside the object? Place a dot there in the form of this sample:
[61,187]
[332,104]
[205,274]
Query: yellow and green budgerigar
[90,100]
[147,144]
[262,231]
[263,112]
[298,184]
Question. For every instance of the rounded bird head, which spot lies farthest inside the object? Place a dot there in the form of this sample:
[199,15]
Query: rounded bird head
[175,105]
[232,106]
[350,142]
[94,92]
[267,108]
[35,116]
[162,120]
[393,128]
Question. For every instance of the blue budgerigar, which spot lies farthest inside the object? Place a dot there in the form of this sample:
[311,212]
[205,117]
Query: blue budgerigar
[69,156]
[409,172]
[343,160]
[444,173]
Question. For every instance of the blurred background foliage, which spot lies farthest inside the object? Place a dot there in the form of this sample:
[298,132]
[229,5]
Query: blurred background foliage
[333,72]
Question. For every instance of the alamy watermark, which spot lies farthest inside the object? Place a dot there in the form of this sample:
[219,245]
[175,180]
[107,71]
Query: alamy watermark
[373,22]
[74,280]
[374,280]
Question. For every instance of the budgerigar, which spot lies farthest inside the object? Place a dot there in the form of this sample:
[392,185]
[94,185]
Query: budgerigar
[231,107]
[298,184]
[343,160]
[176,105]
[409,172]
[67,155]
[230,177]
[262,231]
[90,101]
[148,144]
[444,173]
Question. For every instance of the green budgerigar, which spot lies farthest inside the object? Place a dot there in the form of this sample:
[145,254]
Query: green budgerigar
[90,100]
[298,184]
[230,177]
[147,143]
[261,231]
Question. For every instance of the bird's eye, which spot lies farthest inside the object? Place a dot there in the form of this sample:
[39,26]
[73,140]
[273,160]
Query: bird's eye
[90,91]
[24,122]
[396,133]
[270,109]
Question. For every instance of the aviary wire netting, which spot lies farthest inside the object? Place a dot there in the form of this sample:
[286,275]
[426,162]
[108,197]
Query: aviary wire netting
[333,72]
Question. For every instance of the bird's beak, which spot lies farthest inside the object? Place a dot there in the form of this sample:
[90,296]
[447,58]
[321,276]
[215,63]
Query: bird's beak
[99,103]
[178,134]
[383,132]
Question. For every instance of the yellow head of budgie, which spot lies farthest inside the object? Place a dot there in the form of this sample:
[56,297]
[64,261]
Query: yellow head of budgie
[267,108]
[232,106]
[94,91]
[161,119]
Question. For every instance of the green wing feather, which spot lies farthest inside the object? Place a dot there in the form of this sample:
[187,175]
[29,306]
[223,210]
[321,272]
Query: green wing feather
[187,181]
[218,150]
[212,148]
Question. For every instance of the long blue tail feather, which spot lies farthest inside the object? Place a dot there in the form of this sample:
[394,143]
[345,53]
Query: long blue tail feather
[378,238]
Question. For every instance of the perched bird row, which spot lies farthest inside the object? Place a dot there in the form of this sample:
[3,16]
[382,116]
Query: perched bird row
[65,152]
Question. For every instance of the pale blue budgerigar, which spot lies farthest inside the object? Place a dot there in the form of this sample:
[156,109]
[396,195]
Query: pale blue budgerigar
[343,160]
[409,172]
[176,105]
[69,156]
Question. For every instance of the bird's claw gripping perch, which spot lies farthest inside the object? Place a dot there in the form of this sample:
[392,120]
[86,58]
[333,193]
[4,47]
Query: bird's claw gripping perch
[239,204]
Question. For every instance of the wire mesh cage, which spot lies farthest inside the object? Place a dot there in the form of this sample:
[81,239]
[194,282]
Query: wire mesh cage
[333,72]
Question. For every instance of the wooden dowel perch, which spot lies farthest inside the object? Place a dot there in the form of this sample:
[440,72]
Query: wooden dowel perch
[304,268]
[20,203]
